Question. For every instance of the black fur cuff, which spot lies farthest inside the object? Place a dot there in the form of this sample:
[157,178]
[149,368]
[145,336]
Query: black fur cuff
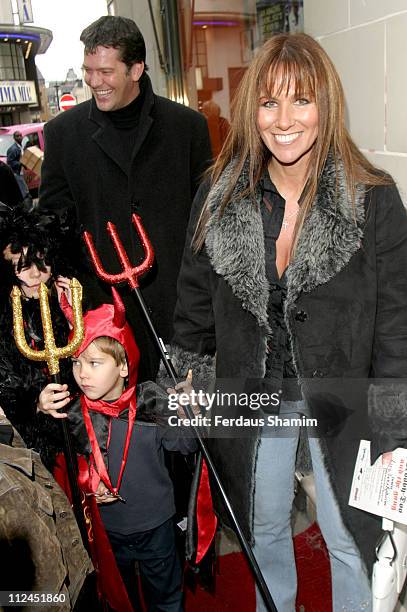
[387,405]
[202,366]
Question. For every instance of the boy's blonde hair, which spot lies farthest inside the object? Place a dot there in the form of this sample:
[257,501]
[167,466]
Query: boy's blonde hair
[111,347]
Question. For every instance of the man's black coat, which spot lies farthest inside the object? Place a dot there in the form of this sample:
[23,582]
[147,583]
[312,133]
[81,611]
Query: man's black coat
[85,166]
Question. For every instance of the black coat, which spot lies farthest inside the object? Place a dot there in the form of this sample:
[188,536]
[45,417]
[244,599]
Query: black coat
[346,315]
[85,166]
[10,192]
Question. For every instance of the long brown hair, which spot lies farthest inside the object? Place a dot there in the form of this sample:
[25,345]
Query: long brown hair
[287,60]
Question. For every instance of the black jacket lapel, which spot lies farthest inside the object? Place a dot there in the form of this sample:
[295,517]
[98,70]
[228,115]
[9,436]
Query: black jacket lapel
[329,238]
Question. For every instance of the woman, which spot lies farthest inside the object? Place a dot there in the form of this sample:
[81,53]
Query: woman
[33,249]
[294,268]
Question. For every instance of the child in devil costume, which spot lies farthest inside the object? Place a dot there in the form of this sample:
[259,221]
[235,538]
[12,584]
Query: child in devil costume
[31,251]
[123,430]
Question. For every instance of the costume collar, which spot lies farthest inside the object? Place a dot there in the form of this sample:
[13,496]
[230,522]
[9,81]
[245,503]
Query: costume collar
[109,320]
[127,399]
[329,238]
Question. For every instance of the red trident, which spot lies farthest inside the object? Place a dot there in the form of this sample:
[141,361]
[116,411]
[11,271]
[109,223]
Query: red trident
[131,274]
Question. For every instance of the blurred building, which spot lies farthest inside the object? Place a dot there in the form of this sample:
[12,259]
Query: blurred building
[21,89]
[368,44]
[72,85]
[197,50]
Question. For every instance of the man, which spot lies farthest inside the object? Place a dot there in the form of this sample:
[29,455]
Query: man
[127,151]
[14,153]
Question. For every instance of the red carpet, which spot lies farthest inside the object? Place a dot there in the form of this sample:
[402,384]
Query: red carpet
[235,586]
[313,571]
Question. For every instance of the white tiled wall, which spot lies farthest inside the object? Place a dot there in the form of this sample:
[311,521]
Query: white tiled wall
[367,41]
[139,12]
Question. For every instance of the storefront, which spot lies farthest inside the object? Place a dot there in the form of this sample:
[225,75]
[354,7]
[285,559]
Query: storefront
[218,40]
[204,46]
[19,89]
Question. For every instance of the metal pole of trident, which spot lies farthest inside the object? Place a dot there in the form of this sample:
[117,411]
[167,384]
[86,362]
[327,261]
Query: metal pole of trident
[52,354]
[131,275]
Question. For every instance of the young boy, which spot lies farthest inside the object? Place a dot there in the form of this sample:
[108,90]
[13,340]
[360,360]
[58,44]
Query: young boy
[127,472]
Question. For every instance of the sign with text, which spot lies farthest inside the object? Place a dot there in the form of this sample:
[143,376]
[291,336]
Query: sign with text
[378,488]
[17,92]
[25,11]
[274,16]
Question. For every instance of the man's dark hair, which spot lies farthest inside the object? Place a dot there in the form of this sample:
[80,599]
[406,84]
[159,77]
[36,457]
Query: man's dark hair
[117,32]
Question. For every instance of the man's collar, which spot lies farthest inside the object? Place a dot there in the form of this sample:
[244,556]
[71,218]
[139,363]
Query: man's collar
[101,117]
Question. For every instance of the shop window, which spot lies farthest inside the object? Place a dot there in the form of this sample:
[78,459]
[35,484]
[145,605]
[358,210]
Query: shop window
[12,65]
[31,140]
[219,39]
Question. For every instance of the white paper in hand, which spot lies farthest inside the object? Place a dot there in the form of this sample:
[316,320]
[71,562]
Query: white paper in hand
[380,489]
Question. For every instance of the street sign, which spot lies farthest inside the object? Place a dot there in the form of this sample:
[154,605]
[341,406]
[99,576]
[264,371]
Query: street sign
[67,101]
[25,11]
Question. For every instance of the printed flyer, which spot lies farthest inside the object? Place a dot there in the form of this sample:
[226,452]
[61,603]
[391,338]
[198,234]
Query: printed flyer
[380,489]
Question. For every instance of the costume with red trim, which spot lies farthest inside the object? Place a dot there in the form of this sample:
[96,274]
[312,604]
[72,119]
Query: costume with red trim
[98,427]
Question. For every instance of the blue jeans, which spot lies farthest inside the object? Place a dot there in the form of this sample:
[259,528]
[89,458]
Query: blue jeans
[273,547]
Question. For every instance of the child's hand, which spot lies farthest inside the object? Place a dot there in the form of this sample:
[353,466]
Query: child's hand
[63,285]
[52,398]
[103,495]
[185,387]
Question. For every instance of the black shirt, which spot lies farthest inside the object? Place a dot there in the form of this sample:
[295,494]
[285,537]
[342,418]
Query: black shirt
[279,364]
[146,486]
[127,120]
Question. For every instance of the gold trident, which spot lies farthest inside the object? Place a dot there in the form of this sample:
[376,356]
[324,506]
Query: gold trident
[51,353]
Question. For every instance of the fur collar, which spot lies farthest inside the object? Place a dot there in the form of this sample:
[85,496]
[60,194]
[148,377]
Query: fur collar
[235,242]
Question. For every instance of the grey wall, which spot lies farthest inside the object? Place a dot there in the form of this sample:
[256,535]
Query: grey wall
[138,11]
[367,41]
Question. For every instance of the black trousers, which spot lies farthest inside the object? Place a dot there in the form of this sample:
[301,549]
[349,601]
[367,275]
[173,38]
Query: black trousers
[160,568]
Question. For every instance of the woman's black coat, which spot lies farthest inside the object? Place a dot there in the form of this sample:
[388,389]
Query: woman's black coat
[86,167]
[346,312]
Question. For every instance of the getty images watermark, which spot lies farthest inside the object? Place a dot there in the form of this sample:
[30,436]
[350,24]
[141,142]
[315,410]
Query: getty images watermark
[253,401]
